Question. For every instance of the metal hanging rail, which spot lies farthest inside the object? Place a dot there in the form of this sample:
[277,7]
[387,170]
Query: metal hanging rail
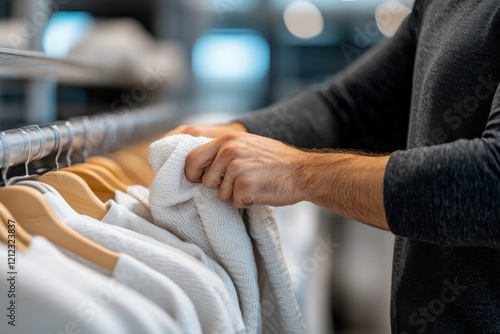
[91,135]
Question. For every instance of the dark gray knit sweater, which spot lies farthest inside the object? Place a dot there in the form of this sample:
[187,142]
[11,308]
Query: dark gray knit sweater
[428,95]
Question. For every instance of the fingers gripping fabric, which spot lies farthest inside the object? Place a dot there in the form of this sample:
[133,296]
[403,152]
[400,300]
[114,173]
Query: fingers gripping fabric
[248,249]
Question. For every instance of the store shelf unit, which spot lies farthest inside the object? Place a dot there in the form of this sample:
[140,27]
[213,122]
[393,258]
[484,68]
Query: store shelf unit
[20,64]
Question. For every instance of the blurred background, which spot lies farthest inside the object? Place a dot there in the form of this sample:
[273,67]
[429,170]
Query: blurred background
[215,60]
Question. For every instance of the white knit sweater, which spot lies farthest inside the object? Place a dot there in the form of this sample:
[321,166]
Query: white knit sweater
[248,249]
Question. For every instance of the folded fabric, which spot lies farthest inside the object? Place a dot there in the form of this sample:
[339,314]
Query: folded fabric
[253,258]
[53,294]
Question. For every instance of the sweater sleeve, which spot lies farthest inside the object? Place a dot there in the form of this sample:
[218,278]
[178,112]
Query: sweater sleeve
[366,106]
[448,194]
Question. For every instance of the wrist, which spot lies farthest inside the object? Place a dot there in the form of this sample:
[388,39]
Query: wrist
[346,183]
[319,173]
[307,167]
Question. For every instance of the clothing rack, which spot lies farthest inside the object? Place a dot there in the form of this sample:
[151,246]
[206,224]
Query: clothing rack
[93,135]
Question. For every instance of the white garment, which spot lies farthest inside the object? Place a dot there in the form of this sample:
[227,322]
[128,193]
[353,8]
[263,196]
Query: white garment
[134,204]
[203,287]
[159,289]
[55,294]
[151,284]
[119,215]
[252,259]
[141,194]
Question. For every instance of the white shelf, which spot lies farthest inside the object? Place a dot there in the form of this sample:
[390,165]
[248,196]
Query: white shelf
[18,64]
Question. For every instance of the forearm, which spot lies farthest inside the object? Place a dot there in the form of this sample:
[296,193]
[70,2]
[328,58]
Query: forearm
[346,183]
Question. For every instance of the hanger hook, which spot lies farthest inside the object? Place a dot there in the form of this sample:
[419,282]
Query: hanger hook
[114,134]
[86,126]
[57,142]
[26,140]
[106,137]
[28,158]
[7,154]
[70,142]
[43,147]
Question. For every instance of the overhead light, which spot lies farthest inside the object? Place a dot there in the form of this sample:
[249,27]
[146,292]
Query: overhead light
[303,19]
[231,56]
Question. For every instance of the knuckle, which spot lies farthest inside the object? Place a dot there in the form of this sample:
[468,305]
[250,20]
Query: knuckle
[191,159]
[230,150]
[231,136]
[209,181]
[240,204]
[234,135]
[240,184]
[180,129]
[205,180]
[192,130]
[233,167]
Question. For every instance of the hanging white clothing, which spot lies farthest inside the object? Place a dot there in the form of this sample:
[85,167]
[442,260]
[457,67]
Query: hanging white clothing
[54,294]
[141,194]
[118,215]
[203,287]
[133,204]
[159,289]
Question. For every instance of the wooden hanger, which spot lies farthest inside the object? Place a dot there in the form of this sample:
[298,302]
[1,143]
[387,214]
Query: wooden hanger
[76,192]
[35,214]
[113,167]
[101,188]
[138,170]
[71,187]
[4,235]
[140,149]
[101,172]
[106,175]
[134,160]
[22,238]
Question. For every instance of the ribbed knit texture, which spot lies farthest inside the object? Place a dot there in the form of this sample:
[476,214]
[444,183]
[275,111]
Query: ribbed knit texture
[159,289]
[249,251]
[54,294]
[141,194]
[119,215]
[203,287]
[133,205]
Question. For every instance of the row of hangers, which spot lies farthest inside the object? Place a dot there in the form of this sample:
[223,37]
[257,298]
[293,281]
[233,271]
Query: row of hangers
[85,187]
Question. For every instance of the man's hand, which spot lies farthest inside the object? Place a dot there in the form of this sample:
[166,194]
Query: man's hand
[210,131]
[246,169]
